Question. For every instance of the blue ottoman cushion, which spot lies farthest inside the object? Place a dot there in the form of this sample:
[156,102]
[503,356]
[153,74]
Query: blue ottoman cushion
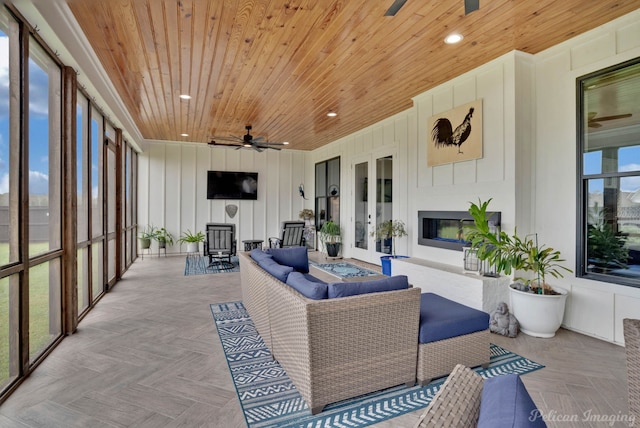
[345,289]
[296,257]
[316,290]
[277,270]
[505,402]
[442,318]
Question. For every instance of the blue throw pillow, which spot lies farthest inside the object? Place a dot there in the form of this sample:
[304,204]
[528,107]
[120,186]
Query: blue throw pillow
[277,270]
[505,402]
[344,289]
[316,290]
[257,254]
[296,257]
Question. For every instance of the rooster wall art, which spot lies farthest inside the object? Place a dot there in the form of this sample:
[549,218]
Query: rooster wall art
[455,135]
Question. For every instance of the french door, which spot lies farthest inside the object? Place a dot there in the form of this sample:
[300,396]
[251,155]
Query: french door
[372,204]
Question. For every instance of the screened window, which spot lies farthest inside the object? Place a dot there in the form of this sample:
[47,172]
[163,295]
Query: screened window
[609,183]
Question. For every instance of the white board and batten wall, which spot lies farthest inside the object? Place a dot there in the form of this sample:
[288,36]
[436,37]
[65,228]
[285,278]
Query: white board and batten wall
[173,189]
[528,167]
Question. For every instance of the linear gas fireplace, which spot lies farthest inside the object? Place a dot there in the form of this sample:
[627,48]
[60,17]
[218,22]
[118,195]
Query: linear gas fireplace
[445,229]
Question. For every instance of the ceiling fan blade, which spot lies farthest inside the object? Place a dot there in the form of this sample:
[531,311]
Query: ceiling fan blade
[613,117]
[258,139]
[395,7]
[470,6]
[215,143]
[229,138]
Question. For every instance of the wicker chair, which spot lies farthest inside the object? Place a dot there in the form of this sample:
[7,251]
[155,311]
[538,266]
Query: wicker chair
[457,403]
[632,346]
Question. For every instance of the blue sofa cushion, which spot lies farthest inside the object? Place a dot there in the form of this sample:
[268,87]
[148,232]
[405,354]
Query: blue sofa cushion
[442,318]
[257,254]
[279,271]
[505,402]
[345,289]
[316,290]
[296,257]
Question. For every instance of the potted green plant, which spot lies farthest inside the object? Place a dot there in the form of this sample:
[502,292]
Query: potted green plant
[146,236]
[389,230]
[605,247]
[192,240]
[330,236]
[306,214]
[164,237]
[538,307]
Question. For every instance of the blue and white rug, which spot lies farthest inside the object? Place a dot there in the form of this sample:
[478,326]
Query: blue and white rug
[199,265]
[269,398]
[344,269]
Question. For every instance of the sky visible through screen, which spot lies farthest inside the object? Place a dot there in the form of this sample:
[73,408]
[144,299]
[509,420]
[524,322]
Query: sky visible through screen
[38,124]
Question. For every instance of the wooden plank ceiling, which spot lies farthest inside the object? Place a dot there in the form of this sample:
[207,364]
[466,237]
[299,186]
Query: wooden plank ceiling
[281,65]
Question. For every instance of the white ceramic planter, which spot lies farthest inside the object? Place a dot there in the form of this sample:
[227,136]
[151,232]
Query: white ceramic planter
[538,315]
[192,247]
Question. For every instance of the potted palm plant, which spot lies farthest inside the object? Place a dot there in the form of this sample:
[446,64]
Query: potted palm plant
[192,240]
[538,306]
[389,230]
[330,236]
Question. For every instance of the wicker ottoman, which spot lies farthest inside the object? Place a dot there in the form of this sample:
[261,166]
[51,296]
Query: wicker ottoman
[450,334]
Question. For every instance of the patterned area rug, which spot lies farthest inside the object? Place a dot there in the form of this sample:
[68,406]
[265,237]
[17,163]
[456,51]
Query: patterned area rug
[345,270]
[199,265]
[269,398]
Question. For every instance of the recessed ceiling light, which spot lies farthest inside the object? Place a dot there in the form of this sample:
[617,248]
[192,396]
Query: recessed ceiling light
[286,143]
[453,38]
[332,114]
[184,135]
[185,96]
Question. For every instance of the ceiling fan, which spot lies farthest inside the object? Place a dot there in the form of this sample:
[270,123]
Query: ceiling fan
[469,6]
[258,144]
[593,120]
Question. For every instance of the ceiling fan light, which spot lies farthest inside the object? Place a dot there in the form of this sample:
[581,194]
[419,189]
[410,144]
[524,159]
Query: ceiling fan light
[332,114]
[286,143]
[246,145]
[453,38]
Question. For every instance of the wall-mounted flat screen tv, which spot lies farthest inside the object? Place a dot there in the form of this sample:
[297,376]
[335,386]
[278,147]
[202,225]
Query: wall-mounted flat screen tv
[232,185]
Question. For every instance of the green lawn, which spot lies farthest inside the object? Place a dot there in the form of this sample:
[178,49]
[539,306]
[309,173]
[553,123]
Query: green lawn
[38,309]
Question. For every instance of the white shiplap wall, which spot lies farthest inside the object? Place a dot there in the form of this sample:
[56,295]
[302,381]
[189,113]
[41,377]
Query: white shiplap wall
[173,189]
[593,307]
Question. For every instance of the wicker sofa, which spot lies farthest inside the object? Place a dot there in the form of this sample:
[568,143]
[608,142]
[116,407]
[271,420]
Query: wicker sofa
[334,349]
